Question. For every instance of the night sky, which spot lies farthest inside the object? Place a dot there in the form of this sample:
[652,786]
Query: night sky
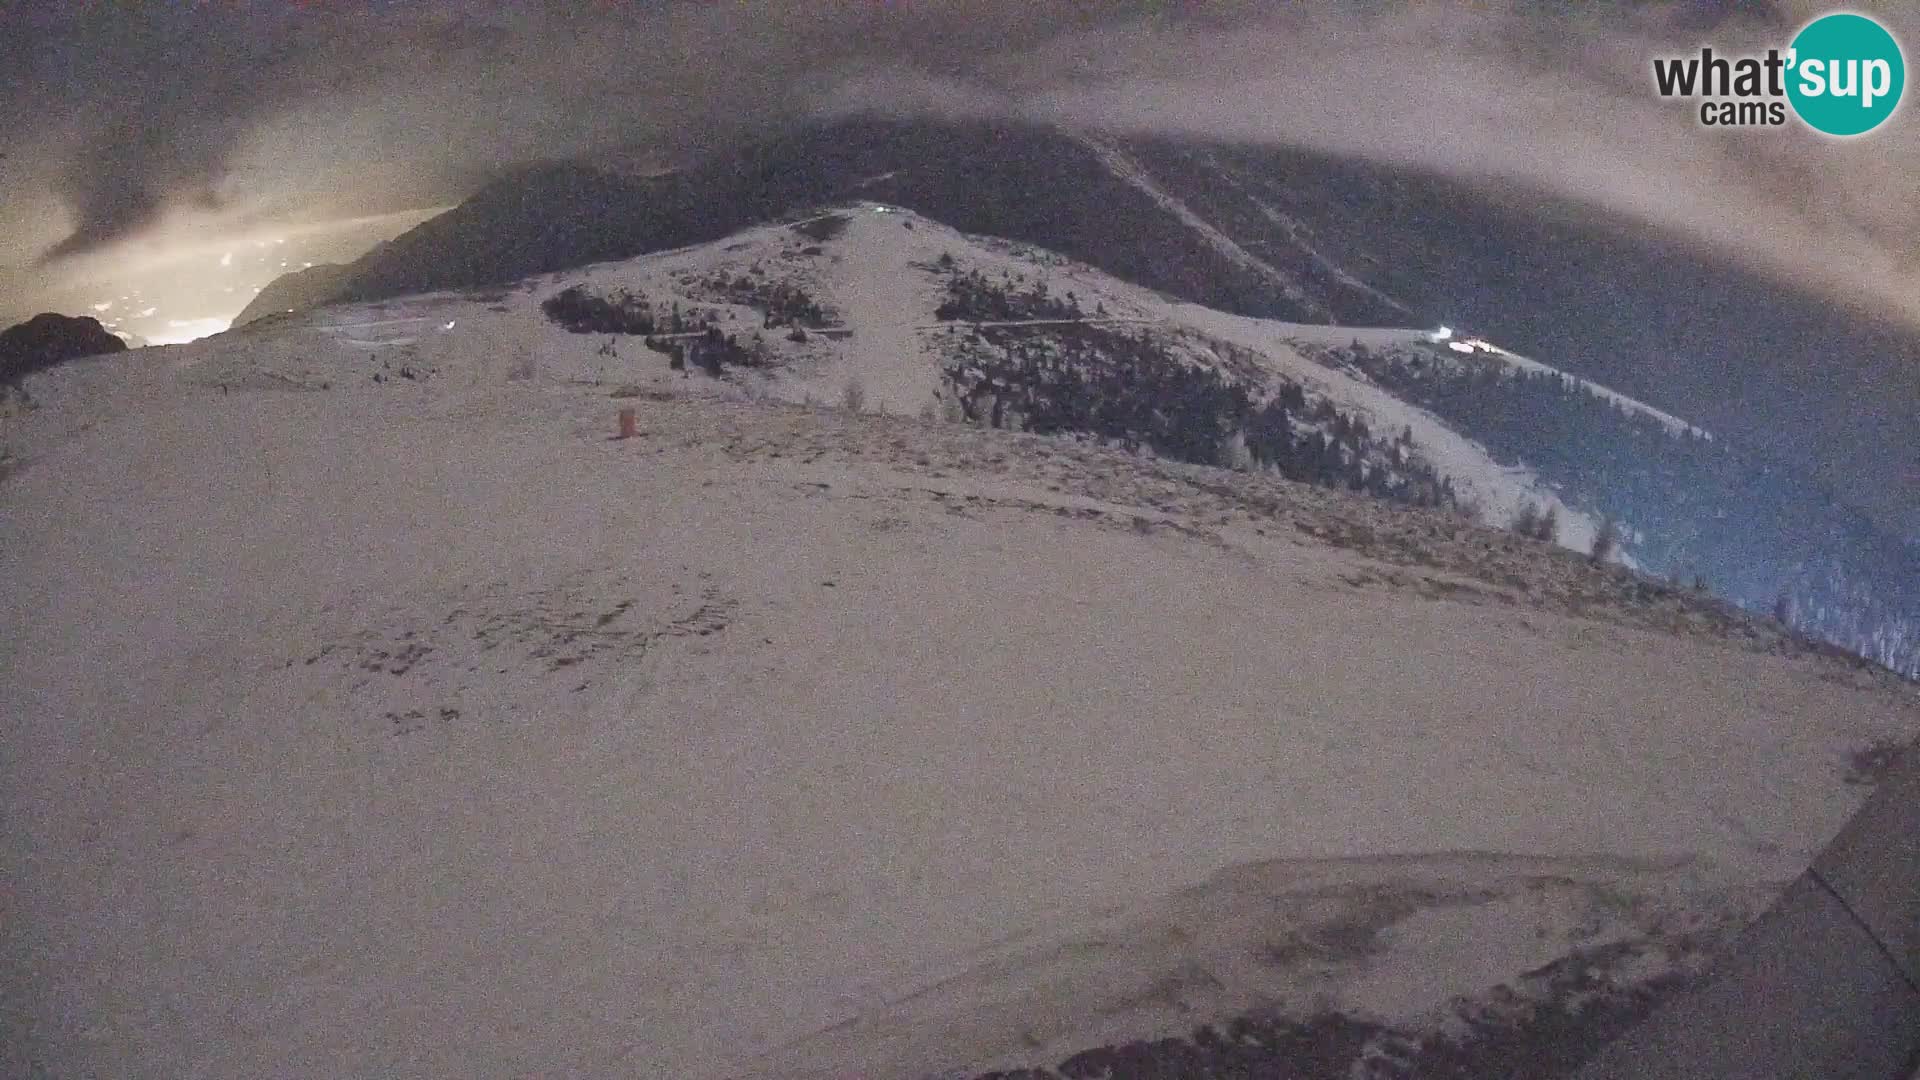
[132,131]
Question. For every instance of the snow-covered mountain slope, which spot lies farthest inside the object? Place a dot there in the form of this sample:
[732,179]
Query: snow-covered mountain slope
[1389,337]
[917,316]
[1688,506]
[1275,232]
[878,276]
[371,710]
[1271,232]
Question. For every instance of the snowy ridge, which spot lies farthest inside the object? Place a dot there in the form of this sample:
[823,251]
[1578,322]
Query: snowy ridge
[1383,337]
[1672,423]
[879,279]
[1498,491]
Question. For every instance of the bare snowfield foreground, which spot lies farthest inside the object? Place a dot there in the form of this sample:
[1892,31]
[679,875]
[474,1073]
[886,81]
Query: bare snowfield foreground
[420,729]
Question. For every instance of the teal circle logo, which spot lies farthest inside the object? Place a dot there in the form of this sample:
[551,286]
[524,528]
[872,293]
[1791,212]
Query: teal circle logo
[1846,74]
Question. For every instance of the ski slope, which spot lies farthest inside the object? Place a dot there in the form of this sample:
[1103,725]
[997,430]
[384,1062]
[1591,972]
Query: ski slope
[373,711]
[880,279]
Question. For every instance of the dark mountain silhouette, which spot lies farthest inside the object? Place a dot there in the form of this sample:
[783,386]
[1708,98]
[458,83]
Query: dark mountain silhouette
[297,291]
[48,339]
[1038,185]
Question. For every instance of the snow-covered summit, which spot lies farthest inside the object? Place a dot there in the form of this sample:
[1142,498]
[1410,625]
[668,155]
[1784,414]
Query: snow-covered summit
[866,284]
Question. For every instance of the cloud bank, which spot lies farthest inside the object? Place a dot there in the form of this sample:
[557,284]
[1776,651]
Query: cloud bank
[251,112]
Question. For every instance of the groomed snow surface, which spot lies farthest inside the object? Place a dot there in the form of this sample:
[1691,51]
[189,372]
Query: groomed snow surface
[416,727]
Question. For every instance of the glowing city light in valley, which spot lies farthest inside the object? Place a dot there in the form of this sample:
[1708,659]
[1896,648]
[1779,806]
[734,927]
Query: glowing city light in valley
[181,331]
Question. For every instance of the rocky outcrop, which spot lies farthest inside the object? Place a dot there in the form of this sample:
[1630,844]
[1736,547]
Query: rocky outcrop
[48,339]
